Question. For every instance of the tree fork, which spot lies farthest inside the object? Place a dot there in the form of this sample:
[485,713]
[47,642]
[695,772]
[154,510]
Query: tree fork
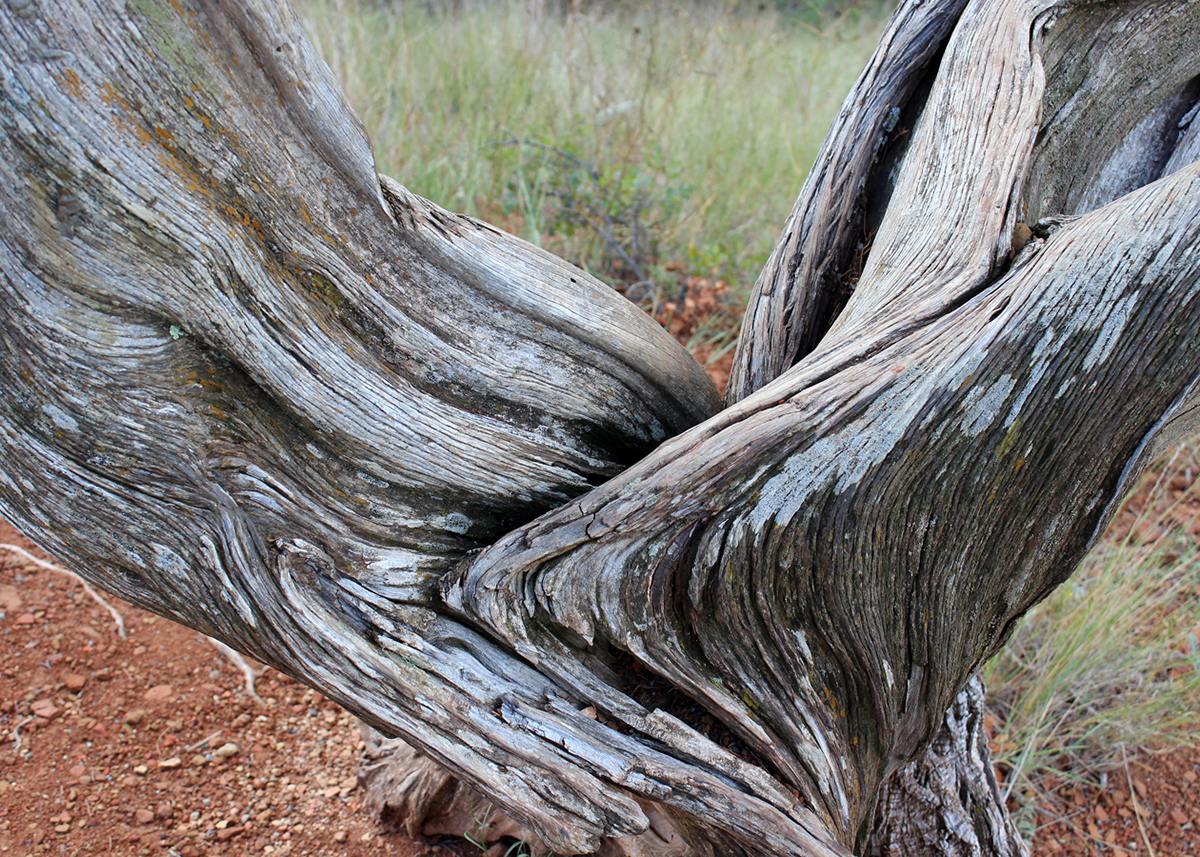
[474,496]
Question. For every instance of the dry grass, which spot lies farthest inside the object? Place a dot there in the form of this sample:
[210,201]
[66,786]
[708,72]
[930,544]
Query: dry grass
[664,134]
[1109,664]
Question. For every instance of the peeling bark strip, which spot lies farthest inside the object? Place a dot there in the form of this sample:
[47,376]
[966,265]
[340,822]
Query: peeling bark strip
[254,387]
[955,775]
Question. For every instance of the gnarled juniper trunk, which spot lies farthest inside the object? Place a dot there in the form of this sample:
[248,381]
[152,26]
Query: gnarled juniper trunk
[467,491]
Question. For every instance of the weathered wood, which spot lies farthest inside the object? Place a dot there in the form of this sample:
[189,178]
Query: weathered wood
[816,528]
[256,388]
[833,618]
[810,274]
[1107,122]
[947,801]
[404,789]
[251,389]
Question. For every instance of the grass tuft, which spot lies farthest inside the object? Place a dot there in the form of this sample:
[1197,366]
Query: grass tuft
[1109,664]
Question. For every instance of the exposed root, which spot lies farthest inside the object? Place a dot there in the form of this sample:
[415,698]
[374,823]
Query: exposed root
[118,619]
[249,672]
[16,734]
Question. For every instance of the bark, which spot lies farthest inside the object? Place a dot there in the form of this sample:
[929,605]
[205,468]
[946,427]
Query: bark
[404,789]
[468,492]
[947,801]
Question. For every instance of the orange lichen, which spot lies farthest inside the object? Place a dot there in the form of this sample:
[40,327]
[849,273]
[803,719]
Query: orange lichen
[193,186]
[71,83]
[111,96]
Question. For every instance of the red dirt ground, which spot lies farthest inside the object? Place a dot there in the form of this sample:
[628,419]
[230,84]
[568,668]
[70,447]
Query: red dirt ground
[113,746]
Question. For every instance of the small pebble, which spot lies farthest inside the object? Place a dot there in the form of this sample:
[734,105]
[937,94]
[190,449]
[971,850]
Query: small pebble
[159,693]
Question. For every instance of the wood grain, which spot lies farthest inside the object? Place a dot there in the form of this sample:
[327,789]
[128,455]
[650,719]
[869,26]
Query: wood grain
[489,506]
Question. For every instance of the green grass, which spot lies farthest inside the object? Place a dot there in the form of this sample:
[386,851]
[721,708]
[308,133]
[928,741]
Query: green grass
[1109,664]
[666,134]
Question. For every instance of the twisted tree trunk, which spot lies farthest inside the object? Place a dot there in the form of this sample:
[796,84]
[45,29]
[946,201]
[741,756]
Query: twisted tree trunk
[468,492]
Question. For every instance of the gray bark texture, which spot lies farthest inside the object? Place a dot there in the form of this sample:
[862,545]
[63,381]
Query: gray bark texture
[490,507]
